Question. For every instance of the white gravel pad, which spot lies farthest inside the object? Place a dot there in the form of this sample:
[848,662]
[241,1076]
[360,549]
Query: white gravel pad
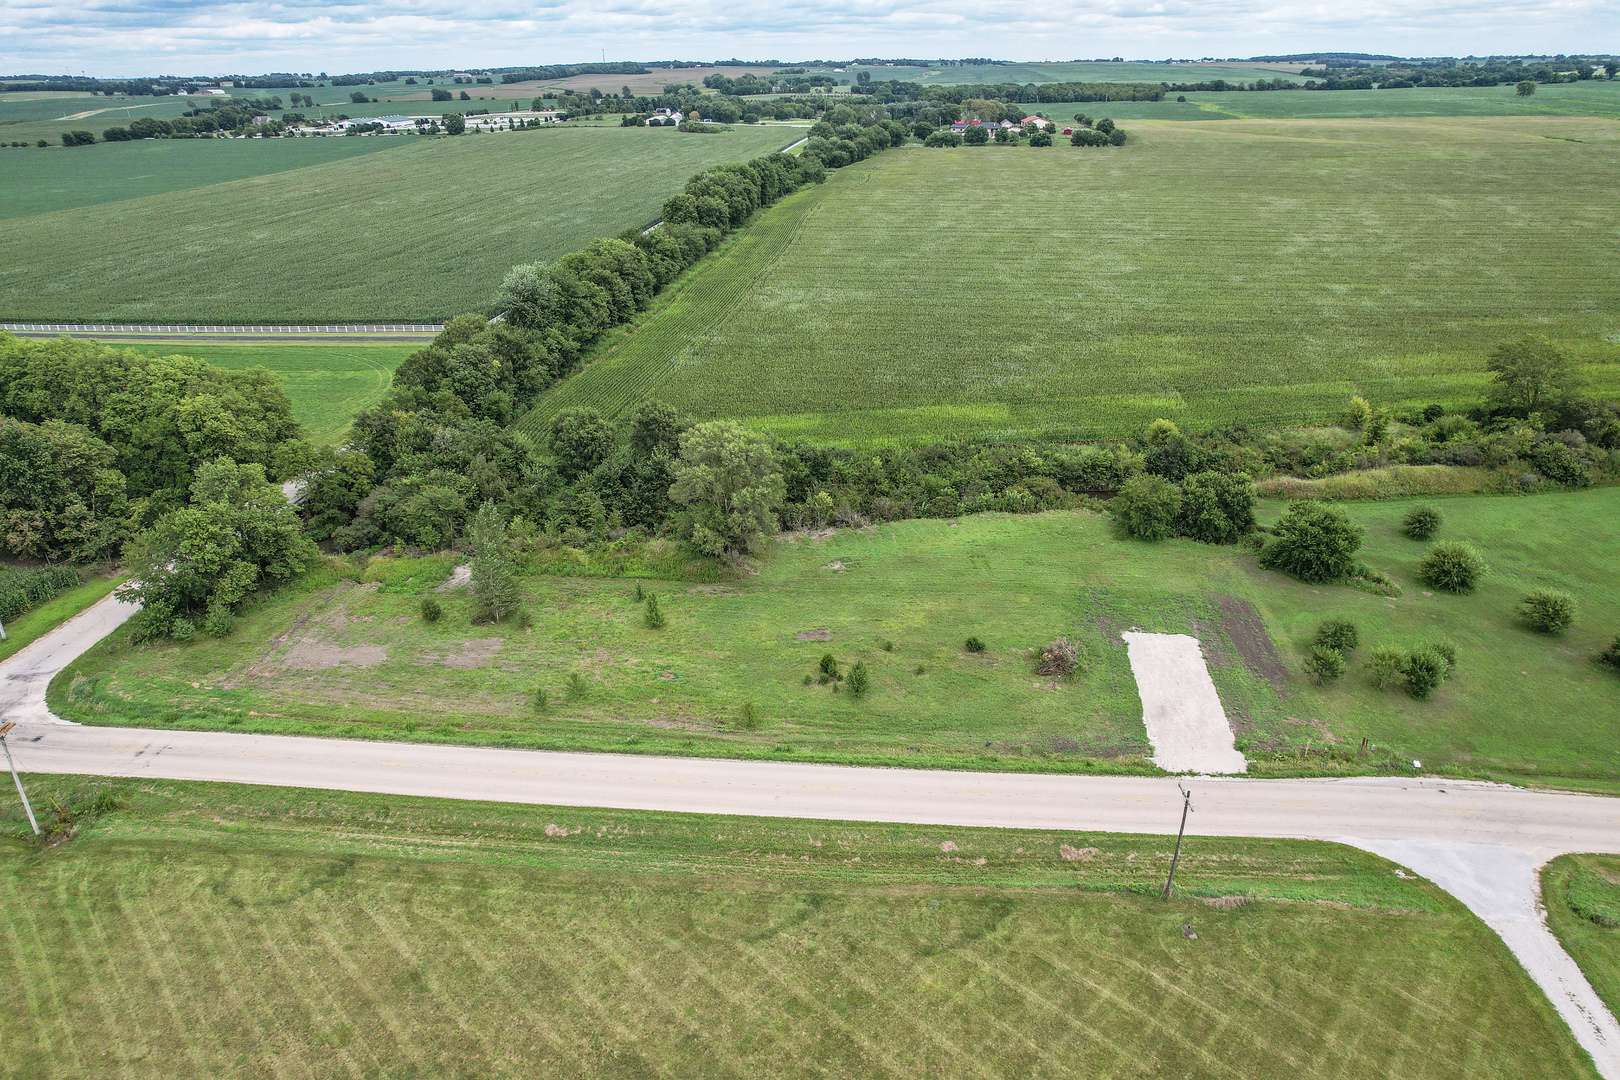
[1182,711]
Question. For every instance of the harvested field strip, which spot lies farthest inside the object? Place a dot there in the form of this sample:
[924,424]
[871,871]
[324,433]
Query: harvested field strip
[203,930]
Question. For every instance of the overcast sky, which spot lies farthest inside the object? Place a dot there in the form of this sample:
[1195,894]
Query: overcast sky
[114,38]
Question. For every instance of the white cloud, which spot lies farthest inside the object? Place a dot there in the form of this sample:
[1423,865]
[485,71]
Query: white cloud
[126,37]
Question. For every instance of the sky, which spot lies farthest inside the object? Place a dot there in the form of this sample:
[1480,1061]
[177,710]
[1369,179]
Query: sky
[121,38]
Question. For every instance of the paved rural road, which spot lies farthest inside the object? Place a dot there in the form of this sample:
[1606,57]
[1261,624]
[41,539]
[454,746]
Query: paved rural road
[1481,842]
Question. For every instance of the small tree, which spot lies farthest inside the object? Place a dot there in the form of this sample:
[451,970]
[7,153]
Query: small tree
[1452,567]
[1324,664]
[829,665]
[653,617]
[1425,670]
[1314,543]
[974,645]
[1386,663]
[860,678]
[1357,413]
[1611,655]
[580,440]
[1340,635]
[431,611]
[455,123]
[494,584]
[1147,506]
[1421,523]
[1216,507]
[1530,372]
[1525,88]
[1548,610]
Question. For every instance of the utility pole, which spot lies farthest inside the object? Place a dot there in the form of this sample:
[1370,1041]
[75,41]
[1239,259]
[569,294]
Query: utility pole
[1186,808]
[15,778]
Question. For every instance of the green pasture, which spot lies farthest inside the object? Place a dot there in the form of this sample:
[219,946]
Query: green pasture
[419,234]
[27,117]
[1592,98]
[328,382]
[1075,71]
[1163,278]
[345,652]
[214,930]
[1582,896]
[67,178]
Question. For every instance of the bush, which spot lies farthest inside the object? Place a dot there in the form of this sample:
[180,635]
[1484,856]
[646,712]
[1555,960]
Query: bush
[829,666]
[1314,543]
[653,617]
[431,611]
[1058,659]
[1448,653]
[1611,655]
[542,700]
[860,678]
[1421,523]
[1340,635]
[1324,664]
[219,622]
[577,686]
[1425,670]
[973,644]
[1147,506]
[1216,507]
[1386,663]
[1548,610]
[1452,567]
[748,717]
[1040,138]
[1560,464]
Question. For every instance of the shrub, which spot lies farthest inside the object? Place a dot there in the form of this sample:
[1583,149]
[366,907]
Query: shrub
[1340,635]
[1421,523]
[542,700]
[1147,506]
[1548,610]
[640,596]
[577,686]
[748,717]
[1040,138]
[1448,653]
[1611,655]
[1425,670]
[860,679]
[1314,543]
[888,646]
[1452,567]
[1560,464]
[1057,660]
[973,644]
[1216,507]
[829,666]
[219,622]
[431,611]
[1324,664]
[1386,663]
[653,617]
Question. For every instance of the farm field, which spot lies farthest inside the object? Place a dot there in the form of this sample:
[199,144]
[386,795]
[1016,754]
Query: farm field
[420,234]
[210,929]
[29,116]
[1076,71]
[1379,257]
[328,383]
[346,653]
[1580,890]
[67,178]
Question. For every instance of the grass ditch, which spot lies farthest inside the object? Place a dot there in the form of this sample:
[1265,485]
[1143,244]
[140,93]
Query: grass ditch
[192,929]
[1581,894]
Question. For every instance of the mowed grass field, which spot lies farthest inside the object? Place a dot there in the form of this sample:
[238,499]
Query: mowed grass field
[1582,897]
[212,930]
[66,178]
[1209,273]
[350,656]
[328,382]
[421,233]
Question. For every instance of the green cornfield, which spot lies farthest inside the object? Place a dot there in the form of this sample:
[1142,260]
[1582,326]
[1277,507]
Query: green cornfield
[1245,271]
[416,234]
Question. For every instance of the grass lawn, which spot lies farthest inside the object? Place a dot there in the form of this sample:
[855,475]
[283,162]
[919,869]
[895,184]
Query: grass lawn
[208,930]
[35,623]
[1379,257]
[328,382]
[66,178]
[419,234]
[1582,897]
[338,656]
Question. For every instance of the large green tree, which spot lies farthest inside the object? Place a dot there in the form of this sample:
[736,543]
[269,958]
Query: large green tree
[60,495]
[729,480]
[1530,373]
[238,535]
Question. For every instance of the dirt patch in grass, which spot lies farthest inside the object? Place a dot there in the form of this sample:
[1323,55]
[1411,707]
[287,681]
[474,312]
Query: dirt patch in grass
[476,653]
[313,655]
[1248,636]
[459,578]
[814,635]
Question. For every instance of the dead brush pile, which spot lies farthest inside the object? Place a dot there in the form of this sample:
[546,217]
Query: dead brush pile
[1058,659]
